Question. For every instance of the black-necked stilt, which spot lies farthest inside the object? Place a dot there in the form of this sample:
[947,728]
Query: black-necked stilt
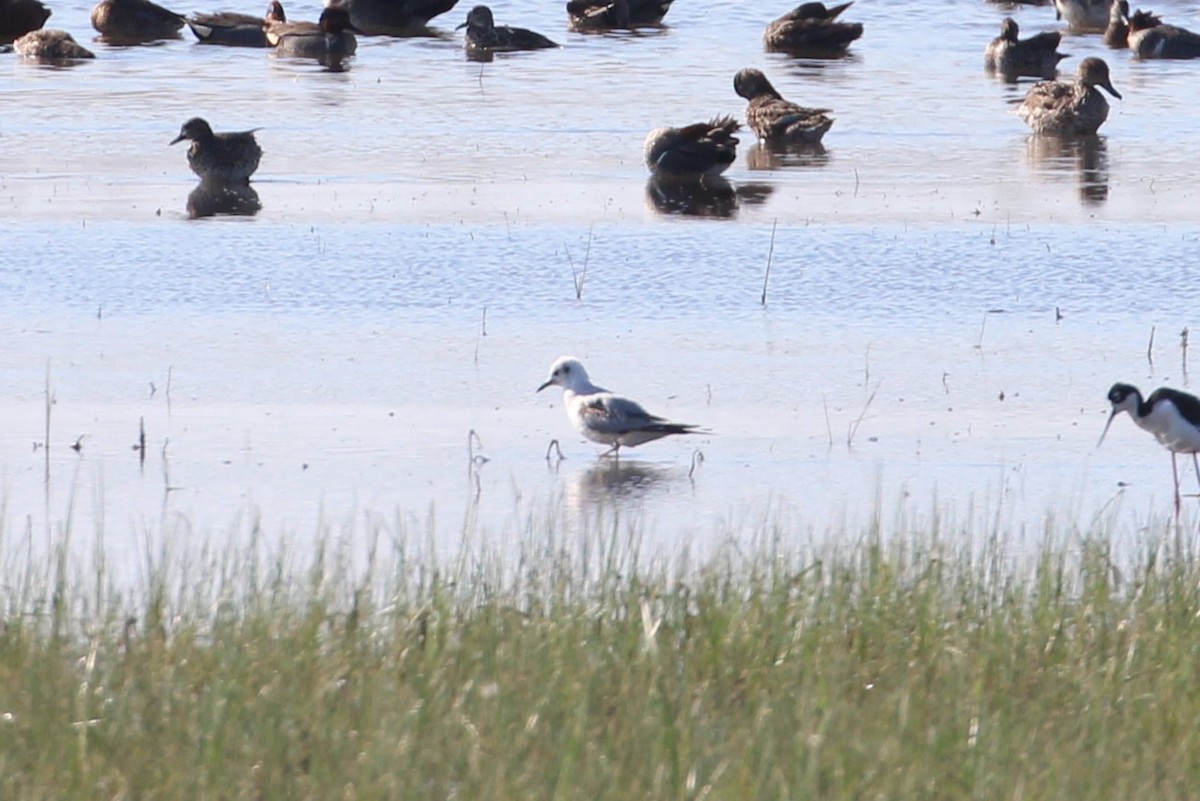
[1173,417]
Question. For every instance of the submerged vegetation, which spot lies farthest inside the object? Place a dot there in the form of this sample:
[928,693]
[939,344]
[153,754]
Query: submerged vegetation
[898,666]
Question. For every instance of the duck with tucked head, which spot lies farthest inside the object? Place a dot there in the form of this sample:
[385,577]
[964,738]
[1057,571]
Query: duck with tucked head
[233,29]
[19,17]
[134,21]
[331,37]
[1070,107]
[484,35]
[50,45]
[702,149]
[229,158]
[812,29]
[1150,37]
[774,119]
[1010,56]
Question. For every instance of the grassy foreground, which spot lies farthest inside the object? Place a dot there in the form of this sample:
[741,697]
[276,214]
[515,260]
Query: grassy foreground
[897,668]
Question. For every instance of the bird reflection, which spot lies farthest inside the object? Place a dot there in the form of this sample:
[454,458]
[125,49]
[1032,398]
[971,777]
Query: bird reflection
[777,155]
[814,67]
[613,481]
[212,198]
[709,196]
[693,196]
[1086,156]
[334,63]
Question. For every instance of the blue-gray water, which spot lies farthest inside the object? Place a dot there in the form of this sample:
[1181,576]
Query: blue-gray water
[949,298]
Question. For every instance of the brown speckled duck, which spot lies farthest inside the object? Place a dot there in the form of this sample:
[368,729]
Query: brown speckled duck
[229,158]
[812,28]
[233,29]
[774,119]
[1009,56]
[705,148]
[1069,107]
[48,44]
[19,17]
[133,21]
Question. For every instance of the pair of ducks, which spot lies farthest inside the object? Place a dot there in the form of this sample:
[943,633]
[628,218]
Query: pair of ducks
[330,37]
[583,16]
[1148,36]
[21,24]
[708,148]
[1051,107]
[1144,33]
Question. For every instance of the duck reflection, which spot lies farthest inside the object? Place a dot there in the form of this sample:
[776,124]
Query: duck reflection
[777,155]
[1086,156]
[708,196]
[213,198]
[692,196]
[832,67]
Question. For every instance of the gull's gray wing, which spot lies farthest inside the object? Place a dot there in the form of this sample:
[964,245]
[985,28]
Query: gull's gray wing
[613,414]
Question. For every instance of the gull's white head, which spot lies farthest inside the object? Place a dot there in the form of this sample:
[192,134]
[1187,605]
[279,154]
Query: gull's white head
[567,373]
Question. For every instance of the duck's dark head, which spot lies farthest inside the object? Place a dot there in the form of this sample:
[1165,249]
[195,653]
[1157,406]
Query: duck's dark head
[1009,30]
[479,17]
[335,19]
[275,12]
[1094,72]
[195,129]
[751,83]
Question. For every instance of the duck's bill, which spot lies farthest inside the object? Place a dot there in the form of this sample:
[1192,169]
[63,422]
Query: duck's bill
[543,386]
[1106,425]
[1108,86]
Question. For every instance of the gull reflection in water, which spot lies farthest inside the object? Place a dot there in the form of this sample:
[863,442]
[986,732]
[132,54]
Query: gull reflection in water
[212,198]
[1084,156]
[617,482]
[696,196]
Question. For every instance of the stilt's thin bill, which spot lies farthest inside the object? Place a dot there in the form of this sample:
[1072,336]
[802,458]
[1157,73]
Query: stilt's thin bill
[1106,425]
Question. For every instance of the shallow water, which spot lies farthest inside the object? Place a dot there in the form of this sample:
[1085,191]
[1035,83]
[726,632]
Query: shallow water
[948,302]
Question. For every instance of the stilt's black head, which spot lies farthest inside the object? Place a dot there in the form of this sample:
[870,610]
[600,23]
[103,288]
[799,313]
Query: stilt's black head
[1124,398]
[1121,393]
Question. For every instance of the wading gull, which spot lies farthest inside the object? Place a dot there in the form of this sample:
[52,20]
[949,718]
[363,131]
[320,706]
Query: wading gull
[604,417]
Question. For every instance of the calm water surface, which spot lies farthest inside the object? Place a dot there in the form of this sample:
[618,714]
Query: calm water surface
[412,274]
